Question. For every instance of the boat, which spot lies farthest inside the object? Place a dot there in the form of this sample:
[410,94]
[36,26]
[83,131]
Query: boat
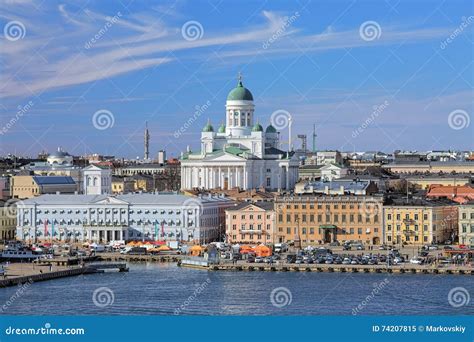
[16,251]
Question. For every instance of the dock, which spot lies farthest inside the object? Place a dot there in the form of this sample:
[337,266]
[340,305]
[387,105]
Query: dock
[29,273]
[284,267]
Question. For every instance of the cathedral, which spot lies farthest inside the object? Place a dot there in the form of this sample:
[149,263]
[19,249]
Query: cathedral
[241,153]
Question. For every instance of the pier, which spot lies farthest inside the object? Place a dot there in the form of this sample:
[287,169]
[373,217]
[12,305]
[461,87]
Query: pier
[284,267]
[21,273]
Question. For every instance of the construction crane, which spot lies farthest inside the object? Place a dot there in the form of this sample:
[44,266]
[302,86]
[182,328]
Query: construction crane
[303,141]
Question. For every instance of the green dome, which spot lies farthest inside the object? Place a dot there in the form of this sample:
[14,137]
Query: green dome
[240,93]
[270,129]
[208,128]
[257,128]
[222,129]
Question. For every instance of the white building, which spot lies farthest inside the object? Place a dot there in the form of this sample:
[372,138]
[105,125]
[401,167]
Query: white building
[102,218]
[328,157]
[332,171]
[97,180]
[240,154]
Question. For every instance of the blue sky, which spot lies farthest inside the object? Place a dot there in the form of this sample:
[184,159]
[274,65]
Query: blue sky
[135,60]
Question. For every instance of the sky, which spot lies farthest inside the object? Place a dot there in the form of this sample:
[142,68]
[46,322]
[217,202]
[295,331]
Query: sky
[369,75]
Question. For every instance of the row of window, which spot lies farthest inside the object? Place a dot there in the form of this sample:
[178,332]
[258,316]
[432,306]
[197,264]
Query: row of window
[320,231]
[398,217]
[465,228]
[108,211]
[251,217]
[328,218]
[367,206]
[250,227]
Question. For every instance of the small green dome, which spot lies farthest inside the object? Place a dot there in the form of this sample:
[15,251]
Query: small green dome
[240,93]
[222,129]
[208,128]
[257,128]
[270,129]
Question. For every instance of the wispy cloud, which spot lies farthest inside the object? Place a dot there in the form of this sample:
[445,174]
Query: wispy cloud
[52,57]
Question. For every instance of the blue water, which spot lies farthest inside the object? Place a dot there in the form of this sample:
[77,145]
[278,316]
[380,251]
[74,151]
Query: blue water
[163,289]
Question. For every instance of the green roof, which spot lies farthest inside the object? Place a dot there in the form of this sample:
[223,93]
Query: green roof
[234,150]
[257,128]
[270,129]
[208,128]
[222,129]
[240,93]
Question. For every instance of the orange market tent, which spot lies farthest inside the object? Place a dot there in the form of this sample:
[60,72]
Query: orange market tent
[245,249]
[263,251]
[195,250]
[163,248]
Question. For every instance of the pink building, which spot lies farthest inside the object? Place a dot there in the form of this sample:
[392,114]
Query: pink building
[251,223]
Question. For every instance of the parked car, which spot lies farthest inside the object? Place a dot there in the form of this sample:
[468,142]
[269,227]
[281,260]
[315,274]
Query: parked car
[415,260]
[346,261]
[258,260]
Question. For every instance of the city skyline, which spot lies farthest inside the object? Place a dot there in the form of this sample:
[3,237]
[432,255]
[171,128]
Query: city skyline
[371,76]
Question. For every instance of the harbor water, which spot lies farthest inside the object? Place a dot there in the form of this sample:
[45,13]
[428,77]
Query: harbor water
[165,289]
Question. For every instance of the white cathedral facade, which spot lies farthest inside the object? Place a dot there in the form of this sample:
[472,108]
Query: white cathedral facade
[240,154]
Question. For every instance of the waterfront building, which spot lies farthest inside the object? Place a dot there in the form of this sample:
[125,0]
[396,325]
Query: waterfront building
[140,169]
[251,223]
[419,221]
[30,186]
[103,218]
[97,180]
[310,220]
[240,153]
[7,220]
[466,224]
[337,187]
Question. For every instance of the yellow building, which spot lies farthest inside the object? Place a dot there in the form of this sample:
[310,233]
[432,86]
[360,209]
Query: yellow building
[425,181]
[466,224]
[30,186]
[419,222]
[312,220]
[122,185]
[7,220]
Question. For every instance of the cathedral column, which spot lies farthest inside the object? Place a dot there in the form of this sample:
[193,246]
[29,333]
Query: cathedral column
[229,177]
[219,182]
[287,178]
[237,177]
[206,177]
[245,177]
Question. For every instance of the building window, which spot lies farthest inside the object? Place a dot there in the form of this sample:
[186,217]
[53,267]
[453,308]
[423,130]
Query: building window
[269,182]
